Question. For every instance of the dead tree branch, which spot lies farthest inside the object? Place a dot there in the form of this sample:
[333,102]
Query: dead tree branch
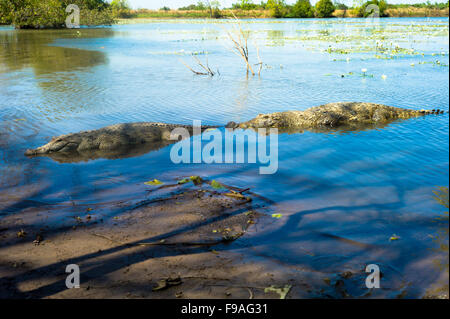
[207,69]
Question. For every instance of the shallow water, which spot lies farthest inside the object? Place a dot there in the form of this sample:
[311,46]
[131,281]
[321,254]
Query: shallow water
[342,195]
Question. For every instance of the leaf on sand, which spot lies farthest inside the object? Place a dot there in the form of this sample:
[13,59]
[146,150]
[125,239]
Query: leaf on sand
[166,283]
[232,237]
[197,180]
[21,234]
[394,237]
[277,215]
[216,185]
[154,182]
[280,291]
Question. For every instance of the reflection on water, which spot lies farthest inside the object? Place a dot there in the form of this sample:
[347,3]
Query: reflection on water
[133,150]
[22,49]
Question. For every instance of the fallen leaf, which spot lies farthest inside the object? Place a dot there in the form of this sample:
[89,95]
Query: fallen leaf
[21,234]
[280,291]
[235,195]
[277,215]
[179,294]
[166,283]
[216,185]
[154,182]
[184,181]
[197,180]
[394,237]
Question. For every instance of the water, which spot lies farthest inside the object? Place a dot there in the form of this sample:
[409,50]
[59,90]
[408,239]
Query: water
[361,186]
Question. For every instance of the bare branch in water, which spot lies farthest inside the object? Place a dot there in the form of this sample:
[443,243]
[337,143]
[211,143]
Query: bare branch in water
[206,68]
[240,44]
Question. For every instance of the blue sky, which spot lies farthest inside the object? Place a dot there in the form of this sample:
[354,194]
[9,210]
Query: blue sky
[156,4]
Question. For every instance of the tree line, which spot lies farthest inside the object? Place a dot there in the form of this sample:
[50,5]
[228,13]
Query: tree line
[304,9]
[52,14]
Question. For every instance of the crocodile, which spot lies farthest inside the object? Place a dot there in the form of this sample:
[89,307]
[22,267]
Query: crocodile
[134,139]
[333,116]
[111,142]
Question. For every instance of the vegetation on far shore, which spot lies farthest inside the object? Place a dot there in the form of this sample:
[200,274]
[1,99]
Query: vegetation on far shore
[35,14]
[38,14]
[300,9]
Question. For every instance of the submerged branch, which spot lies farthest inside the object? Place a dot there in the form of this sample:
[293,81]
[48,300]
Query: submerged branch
[206,68]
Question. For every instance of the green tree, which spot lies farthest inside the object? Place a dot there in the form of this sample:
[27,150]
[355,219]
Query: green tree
[340,6]
[277,8]
[324,9]
[382,5]
[302,9]
[121,9]
[52,13]
[247,5]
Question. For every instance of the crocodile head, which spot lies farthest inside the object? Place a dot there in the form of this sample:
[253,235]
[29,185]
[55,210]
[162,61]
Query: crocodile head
[57,144]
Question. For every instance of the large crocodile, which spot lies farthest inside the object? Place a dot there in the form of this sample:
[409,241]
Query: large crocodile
[333,116]
[115,141]
[133,139]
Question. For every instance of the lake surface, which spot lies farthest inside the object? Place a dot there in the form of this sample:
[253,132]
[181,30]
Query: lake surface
[341,195]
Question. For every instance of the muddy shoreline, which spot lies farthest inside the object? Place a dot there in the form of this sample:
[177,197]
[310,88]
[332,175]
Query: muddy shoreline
[183,241]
